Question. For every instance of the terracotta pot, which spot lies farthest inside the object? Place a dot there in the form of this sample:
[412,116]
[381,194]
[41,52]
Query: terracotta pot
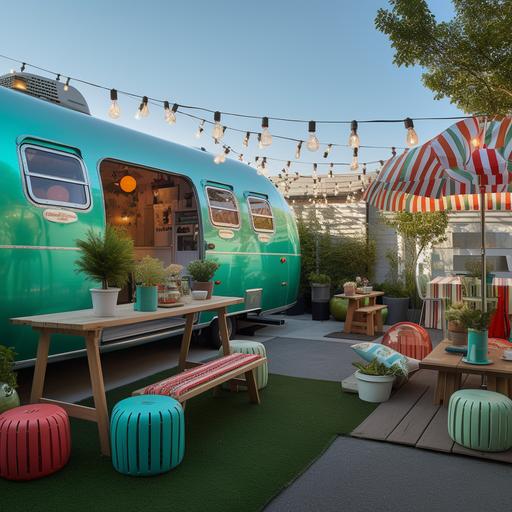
[208,286]
[349,290]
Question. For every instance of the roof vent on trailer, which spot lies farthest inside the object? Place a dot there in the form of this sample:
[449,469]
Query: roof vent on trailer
[46,89]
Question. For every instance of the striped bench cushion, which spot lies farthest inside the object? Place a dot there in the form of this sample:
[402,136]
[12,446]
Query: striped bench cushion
[189,379]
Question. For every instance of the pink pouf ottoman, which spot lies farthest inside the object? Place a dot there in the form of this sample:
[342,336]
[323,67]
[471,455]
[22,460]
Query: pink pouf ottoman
[35,441]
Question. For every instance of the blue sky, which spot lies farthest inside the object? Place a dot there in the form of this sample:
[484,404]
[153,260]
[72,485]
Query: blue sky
[289,58]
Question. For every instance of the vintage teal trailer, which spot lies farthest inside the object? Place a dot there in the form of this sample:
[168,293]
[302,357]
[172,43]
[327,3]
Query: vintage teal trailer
[62,173]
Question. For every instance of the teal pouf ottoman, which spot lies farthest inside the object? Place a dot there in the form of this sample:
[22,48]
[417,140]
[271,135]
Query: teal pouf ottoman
[147,434]
[251,347]
[480,420]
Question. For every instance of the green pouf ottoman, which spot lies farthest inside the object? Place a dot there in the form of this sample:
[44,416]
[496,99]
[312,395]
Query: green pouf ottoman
[480,420]
[251,347]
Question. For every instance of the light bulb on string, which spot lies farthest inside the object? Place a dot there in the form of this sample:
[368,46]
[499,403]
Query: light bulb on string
[218,129]
[364,169]
[355,160]
[241,157]
[143,110]
[312,143]
[114,111]
[200,129]
[220,158]
[288,166]
[266,136]
[336,189]
[298,149]
[331,170]
[23,65]
[393,151]
[170,113]
[353,139]
[57,78]
[66,85]
[315,171]
[245,141]
[411,138]
[327,150]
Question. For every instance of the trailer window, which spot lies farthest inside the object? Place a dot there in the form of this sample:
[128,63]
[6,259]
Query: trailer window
[223,207]
[55,177]
[261,214]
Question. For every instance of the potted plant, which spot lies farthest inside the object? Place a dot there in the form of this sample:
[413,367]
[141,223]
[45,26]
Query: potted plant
[457,331]
[320,295]
[8,395]
[107,258]
[396,298]
[349,288]
[202,272]
[476,322]
[149,273]
[364,284]
[375,380]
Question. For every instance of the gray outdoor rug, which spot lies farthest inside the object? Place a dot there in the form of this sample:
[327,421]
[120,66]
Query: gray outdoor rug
[340,335]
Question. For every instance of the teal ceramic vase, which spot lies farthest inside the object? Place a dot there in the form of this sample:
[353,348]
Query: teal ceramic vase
[9,398]
[146,298]
[477,347]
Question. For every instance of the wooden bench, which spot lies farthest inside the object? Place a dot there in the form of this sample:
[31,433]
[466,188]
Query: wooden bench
[373,317]
[201,378]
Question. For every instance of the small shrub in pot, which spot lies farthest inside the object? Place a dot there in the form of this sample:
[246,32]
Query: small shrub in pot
[202,272]
[8,383]
[375,380]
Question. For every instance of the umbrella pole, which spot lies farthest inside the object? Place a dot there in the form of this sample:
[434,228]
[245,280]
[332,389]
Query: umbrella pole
[482,230]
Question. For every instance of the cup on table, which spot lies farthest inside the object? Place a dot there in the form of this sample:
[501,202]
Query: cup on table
[507,353]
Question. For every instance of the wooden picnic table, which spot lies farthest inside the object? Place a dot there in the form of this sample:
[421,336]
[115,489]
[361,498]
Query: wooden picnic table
[450,368]
[84,323]
[357,322]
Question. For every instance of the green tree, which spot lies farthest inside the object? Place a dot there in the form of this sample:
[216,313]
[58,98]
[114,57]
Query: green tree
[467,59]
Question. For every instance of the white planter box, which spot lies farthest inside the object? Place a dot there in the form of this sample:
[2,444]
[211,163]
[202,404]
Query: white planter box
[374,388]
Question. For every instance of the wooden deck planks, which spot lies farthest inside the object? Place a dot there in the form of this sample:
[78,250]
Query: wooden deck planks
[436,435]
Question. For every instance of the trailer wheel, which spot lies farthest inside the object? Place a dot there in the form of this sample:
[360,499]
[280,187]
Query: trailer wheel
[214,334]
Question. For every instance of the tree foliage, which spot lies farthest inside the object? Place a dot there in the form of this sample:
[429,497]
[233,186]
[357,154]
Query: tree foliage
[467,59]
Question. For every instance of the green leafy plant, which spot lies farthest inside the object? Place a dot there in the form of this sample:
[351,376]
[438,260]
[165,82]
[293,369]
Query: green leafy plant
[106,257]
[149,271]
[7,374]
[379,369]
[474,268]
[202,270]
[315,278]
[475,319]
[396,289]
[456,312]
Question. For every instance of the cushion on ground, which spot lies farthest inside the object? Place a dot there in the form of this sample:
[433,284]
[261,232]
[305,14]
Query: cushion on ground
[147,434]
[189,379]
[251,347]
[480,420]
[35,441]
[385,355]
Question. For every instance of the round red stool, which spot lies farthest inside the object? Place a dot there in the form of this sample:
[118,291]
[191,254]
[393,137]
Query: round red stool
[35,441]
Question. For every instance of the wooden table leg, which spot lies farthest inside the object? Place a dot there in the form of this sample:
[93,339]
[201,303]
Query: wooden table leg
[452,385]
[370,324]
[223,330]
[491,383]
[440,388]
[43,347]
[252,387]
[352,306]
[92,340]
[502,385]
[185,341]
[379,324]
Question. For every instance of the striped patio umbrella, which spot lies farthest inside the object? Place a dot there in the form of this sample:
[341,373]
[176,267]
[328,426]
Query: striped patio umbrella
[466,167]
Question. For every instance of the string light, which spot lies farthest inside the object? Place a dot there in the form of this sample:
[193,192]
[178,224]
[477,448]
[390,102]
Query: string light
[200,129]
[298,149]
[364,170]
[260,145]
[143,110]
[315,171]
[57,78]
[218,130]
[23,65]
[327,150]
[114,111]
[411,138]
[353,140]
[245,142]
[393,151]
[170,113]
[221,157]
[331,170]
[313,143]
[355,161]
[241,157]
[66,85]
[266,136]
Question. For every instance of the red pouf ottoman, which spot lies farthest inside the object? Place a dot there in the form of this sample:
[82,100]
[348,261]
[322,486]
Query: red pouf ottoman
[35,441]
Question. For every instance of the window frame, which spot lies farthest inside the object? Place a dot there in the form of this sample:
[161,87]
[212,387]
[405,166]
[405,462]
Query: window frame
[52,202]
[252,215]
[237,210]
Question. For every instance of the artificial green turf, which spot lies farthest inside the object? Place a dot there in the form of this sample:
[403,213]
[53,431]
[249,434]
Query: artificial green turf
[237,456]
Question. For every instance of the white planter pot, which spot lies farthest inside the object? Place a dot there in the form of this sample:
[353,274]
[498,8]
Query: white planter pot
[374,388]
[104,301]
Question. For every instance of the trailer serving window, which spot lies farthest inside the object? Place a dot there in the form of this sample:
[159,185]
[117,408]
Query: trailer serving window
[261,214]
[55,177]
[223,207]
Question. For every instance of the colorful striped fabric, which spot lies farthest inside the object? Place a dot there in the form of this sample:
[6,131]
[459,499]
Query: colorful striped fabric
[448,172]
[445,288]
[179,384]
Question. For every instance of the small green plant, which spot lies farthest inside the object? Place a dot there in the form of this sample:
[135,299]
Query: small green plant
[202,271]
[474,268]
[106,257]
[376,368]
[456,312]
[149,271]
[475,319]
[7,374]
[395,289]
[350,284]
[315,278]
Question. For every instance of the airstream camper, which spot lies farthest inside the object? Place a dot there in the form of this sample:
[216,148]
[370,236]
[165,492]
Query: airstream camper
[63,172]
